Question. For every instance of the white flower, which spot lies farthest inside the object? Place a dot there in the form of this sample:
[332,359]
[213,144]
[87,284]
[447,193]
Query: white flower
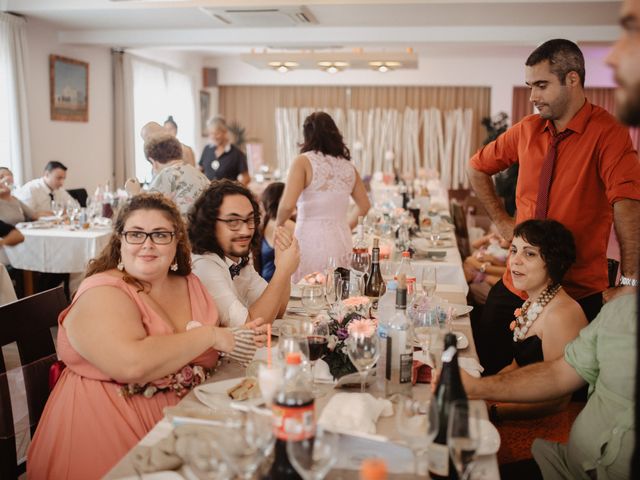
[333,340]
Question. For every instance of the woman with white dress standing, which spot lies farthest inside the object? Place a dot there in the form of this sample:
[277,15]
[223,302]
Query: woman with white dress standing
[320,182]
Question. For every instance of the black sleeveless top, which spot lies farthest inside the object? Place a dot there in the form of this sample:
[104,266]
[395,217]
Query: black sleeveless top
[528,351]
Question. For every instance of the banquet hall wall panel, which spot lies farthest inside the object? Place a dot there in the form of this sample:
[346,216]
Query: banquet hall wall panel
[254,106]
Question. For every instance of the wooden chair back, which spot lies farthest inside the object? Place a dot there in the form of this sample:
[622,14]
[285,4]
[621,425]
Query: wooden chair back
[27,323]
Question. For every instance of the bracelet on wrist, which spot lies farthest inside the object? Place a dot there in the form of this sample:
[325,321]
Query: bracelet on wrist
[628,282]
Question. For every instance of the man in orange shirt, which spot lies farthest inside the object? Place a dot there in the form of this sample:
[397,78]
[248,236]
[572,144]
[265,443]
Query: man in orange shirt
[577,166]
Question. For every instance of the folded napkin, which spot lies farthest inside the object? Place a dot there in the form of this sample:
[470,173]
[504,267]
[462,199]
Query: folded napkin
[470,365]
[354,413]
[321,372]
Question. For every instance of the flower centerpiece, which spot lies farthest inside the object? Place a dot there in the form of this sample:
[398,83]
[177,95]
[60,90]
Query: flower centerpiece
[342,322]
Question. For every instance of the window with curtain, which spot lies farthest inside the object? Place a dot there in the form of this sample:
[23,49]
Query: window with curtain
[160,91]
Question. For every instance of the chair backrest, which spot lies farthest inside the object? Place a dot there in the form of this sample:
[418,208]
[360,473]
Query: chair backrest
[459,216]
[28,323]
[79,194]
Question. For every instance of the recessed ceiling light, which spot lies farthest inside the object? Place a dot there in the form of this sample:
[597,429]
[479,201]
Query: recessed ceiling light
[282,69]
[383,68]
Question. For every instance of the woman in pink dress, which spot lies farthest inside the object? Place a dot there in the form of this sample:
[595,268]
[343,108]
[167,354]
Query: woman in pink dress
[320,182]
[140,332]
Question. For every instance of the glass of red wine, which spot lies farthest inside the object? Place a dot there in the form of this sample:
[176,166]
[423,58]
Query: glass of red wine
[318,340]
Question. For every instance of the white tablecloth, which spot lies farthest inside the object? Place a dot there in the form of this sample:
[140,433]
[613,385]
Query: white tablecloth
[7,293]
[57,250]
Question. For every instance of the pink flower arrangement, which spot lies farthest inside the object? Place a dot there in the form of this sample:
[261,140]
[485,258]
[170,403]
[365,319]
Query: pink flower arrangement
[189,377]
[362,327]
[359,305]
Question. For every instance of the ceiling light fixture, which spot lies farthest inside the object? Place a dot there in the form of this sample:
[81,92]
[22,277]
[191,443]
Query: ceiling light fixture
[283,67]
[384,67]
[333,67]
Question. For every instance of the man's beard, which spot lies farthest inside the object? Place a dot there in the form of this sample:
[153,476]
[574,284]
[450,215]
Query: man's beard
[628,110]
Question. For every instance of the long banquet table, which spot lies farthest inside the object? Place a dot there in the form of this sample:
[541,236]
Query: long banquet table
[487,466]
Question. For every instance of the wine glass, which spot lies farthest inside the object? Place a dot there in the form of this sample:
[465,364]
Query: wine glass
[313,299]
[463,435]
[434,234]
[332,291]
[361,261]
[417,423]
[244,446]
[353,287]
[429,281]
[363,351]
[428,334]
[318,340]
[312,458]
[292,339]
[57,208]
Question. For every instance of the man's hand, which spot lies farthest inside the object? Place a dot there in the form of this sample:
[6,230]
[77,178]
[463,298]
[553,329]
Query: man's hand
[259,327]
[282,238]
[611,293]
[506,226]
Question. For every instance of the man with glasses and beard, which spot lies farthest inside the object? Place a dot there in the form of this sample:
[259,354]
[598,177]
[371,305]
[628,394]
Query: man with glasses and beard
[223,230]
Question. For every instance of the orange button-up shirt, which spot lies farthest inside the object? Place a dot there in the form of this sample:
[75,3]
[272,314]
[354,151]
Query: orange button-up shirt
[595,167]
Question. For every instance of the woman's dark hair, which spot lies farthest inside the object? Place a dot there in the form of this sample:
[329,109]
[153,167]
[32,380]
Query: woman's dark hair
[171,121]
[322,135]
[556,244]
[110,255]
[270,199]
[205,211]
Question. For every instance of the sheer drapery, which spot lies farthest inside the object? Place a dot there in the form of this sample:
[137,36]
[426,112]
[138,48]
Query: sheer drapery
[602,96]
[15,151]
[254,108]
[124,158]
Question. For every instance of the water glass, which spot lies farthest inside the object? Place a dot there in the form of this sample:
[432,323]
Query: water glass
[429,281]
[57,208]
[363,351]
[417,423]
[292,339]
[314,457]
[312,299]
[463,434]
[434,233]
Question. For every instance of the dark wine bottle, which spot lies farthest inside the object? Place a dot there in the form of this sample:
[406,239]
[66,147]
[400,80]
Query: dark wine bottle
[448,391]
[375,287]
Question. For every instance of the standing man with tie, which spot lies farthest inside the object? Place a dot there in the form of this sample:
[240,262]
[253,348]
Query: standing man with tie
[223,231]
[577,166]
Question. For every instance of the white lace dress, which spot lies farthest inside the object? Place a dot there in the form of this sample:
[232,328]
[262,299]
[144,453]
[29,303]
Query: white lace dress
[321,226]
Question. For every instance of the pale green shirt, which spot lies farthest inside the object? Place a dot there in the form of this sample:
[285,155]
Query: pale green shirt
[602,437]
[181,183]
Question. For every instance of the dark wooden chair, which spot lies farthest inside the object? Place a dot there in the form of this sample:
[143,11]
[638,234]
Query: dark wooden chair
[28,323]
[80,195]
[459,217]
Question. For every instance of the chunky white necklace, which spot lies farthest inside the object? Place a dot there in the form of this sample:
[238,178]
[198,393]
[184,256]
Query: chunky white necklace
[530,312]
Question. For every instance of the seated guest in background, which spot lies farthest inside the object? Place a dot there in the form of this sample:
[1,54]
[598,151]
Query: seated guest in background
[38,194]
[270,200]
[178,181]
[9,235]
[223,229]
[12,210]
[139,317]
[171,127]
[320,182]
[484,268]
[221,159]
[540,254]
[601,441]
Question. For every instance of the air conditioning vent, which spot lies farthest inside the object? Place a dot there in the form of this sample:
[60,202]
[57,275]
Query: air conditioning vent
[261,17]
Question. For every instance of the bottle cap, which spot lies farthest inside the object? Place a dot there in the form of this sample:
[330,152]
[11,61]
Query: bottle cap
[294,358]
[406,254]
[376,242]
[373,469]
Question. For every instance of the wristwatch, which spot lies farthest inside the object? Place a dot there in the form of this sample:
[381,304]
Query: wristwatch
[628,282]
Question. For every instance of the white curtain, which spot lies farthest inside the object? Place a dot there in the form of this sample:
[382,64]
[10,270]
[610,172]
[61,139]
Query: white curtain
[15,151]
[381,139]
[124,166]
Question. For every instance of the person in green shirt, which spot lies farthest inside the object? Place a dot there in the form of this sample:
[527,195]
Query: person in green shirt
[602,438]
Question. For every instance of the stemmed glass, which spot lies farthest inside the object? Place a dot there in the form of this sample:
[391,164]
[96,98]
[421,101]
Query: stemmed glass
[313,458]
[292,339]
[428,334]
[434,234]
[332,291]
[361,261]
[363,351]
[429,281]
[313,299]
[245,446]
[353,287]
[417,423]
[318,340]
[463,435]
[57,208]
[73,210]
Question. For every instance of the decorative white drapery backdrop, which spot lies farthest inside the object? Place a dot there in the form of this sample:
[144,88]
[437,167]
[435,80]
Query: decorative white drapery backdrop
[14,119]
[380,139]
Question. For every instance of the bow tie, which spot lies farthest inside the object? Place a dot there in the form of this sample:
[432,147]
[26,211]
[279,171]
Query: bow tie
[234,269]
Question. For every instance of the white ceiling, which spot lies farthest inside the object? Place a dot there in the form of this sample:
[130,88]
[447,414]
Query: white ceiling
[451,26]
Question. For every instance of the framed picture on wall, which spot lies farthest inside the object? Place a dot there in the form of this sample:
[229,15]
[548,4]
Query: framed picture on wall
[68,89]
[205,105]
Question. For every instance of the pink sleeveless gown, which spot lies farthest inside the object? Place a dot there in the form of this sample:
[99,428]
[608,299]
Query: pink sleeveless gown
[86,426]
[321,225]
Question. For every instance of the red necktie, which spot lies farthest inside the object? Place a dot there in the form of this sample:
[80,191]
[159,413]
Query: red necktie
[546,173]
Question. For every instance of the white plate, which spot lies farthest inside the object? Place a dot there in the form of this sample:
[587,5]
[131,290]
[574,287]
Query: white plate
[49,218]
[461,309]
[214,395]
[489,438]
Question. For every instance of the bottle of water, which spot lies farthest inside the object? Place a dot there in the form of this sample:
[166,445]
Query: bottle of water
[386,310]
[406,269]
[399,348]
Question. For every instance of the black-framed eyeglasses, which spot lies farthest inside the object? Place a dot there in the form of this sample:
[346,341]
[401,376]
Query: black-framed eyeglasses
[235,224]
[136,237]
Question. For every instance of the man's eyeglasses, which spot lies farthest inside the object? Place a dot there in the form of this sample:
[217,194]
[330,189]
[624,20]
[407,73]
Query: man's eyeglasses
[135,237]
[235,224]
